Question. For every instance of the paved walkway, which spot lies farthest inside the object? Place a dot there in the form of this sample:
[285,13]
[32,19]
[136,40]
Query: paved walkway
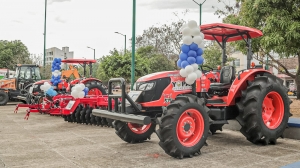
[48,141]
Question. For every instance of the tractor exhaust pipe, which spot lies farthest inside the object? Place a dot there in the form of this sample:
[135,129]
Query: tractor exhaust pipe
[137,119]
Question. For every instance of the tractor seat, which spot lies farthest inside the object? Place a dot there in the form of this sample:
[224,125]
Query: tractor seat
[227,75]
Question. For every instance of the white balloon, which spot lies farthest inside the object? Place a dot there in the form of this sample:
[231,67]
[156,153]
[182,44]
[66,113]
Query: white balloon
[199,73]
[59,73]
[47,87]
[82,86]
[195,32]
[56,71]
[187,31]
[189,69]
[77,88]
[80,94]
[195,66]
[192,24]
[182,27]
[202,35]
[192,76]
[46,83]
[188,40]
[188,81]
[74,94]
[42,87]
[201,46]
[183,73]
[55,74]
[198,40]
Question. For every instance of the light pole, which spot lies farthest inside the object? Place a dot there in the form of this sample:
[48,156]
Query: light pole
[200,6]
[125,41]
[133,44]
[45,37]
[94,52]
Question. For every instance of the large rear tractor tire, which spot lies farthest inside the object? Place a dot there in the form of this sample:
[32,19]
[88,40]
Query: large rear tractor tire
[134,133]
[3,98]
[264,110]
[95,88]
[184,127]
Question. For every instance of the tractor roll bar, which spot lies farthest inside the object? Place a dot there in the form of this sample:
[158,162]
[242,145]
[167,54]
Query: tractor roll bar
[123,93]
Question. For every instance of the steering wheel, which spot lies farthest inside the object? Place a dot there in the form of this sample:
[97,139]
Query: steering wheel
[203,71]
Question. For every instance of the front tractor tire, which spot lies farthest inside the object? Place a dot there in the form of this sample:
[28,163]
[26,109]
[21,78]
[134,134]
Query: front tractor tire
[134,133]
[184,127]
[3,98]
[264,110]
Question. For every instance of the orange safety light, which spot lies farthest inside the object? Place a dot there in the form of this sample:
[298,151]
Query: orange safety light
[252,64]
[219,67]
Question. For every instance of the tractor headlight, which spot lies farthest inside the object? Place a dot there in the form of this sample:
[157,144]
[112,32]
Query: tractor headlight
[146,86]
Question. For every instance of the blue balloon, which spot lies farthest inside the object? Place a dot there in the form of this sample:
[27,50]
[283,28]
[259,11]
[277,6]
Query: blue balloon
[179,63]
[194,46]
[57,64]
[199,51]
[199,60]
[183,56]
[185,48]
[191,60]
[184,64]
[55,60]
[52,69]
[192,53]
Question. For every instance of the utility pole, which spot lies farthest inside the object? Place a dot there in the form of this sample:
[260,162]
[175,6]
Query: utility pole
[45,37]
[200,6]
[133,44]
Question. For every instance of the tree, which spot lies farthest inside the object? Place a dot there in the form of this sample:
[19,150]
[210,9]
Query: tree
[279,20]
[157,62]
[12,53]
[117,65]
[165,38]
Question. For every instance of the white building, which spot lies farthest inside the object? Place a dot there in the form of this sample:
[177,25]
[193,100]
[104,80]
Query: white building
[55,52]
[240,62]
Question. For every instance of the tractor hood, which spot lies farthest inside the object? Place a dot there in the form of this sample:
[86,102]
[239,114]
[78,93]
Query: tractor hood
[158,75]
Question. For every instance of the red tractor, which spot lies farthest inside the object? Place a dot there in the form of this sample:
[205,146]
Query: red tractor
[253,96]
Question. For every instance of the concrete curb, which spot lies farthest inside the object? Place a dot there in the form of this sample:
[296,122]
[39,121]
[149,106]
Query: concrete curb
[292,132]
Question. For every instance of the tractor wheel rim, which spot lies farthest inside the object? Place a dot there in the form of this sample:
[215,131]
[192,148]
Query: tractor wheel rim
[190,127]
[272,110]
[94,92]
[138,129]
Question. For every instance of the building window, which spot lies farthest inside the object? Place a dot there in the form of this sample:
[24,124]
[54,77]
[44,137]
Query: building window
[237,62]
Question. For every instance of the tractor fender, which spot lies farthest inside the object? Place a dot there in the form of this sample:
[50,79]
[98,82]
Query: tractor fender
[240,83]
[90,79]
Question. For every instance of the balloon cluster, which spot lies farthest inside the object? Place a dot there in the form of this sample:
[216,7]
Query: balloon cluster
[56,74]
[191,52]
[79,91]
[48,89]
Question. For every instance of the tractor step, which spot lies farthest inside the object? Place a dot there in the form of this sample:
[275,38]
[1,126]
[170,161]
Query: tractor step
[138,119]
[220,122]
[115,96]
[21,98]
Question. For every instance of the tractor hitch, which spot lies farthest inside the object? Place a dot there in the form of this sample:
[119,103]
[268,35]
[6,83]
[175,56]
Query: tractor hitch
[138,119]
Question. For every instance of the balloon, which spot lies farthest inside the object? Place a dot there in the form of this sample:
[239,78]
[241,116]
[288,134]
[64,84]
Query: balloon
[199,59]
[74,94]
[179,63]
[57,64]
[188,81]
[192,76]
[201,45]
[192,53]
[199,51]
[187,31]
[82,86]
[194,46]
[183,56]
[199,73]
[191,60]
[184,64]
[189,69]
[183,73]
[198,40]
[195,31]
[185,48]
[77,88]
[202,35]
[55,74]
[195,66]
[182,27]
[80,94]
[86,89]
[187,40]
[192,24]
[42,87]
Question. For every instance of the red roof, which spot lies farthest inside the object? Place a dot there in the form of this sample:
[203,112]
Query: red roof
[78,61]
[222,30]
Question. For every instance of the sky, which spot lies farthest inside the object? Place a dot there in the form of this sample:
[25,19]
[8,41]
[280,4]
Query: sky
[81,23]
